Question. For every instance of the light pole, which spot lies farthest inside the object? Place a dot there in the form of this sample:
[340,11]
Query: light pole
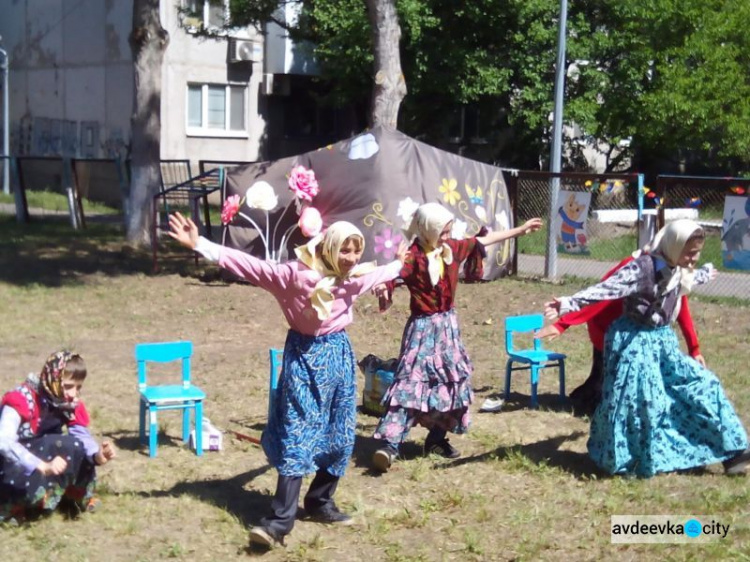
[550,265]
[6,122]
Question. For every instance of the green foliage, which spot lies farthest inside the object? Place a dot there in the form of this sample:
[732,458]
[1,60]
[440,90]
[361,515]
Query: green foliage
[673,77]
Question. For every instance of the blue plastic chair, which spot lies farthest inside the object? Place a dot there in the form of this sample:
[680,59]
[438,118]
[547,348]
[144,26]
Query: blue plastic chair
[533,359]
[183,396]
[277,361]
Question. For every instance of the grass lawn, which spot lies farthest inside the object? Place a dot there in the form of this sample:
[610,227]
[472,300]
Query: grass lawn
[523,489]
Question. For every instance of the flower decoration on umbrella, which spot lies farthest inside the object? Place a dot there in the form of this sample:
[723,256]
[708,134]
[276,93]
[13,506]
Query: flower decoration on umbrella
[386,243]
[303,183]
[262,196]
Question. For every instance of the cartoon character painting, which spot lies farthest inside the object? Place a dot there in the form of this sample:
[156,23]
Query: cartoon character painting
[735,237]
[572,212]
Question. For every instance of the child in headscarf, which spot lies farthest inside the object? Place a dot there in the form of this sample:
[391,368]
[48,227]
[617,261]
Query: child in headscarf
[39,465]
[432,383]
[660,411]
[311,428]
[598,317]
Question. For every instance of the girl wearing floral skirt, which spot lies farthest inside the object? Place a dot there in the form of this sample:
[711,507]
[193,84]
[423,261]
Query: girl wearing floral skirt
[660,410]
[432,383]
[39,464]
[311,427]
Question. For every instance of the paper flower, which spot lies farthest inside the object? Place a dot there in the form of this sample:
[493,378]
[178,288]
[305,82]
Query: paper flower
[406,209]
[303,183]
[480,213]
[449,191]
[386,243]
[261,196]
[363,147]
[230,209]
[310,222]
[581,239]
[459,229]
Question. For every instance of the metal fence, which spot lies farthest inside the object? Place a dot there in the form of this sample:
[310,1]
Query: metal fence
[605,234]
[722,207]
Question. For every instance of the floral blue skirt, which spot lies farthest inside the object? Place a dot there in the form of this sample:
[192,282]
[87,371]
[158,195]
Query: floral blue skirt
[312,424]
[661,410]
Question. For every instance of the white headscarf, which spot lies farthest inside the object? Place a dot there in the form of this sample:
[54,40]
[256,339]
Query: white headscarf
[321,253]
[668,245]
[427,224]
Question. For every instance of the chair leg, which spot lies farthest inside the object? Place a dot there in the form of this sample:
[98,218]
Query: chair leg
[199,428]
[153,433]
[185,425]
[562,379]
[508,369]
[142,422]
[534,384]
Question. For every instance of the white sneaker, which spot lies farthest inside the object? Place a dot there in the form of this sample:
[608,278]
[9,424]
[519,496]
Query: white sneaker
[492,405]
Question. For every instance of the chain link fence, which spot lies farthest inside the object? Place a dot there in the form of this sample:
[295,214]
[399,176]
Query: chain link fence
[722,207]
[594,221]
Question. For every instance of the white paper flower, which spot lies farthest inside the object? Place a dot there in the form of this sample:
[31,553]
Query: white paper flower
[459,229]
[261,196]
[406,209]
[481,213]
[363,147]
[501,219]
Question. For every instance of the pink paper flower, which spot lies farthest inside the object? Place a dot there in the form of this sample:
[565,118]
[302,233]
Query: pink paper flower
[582,239]
[230,209]
[310,222]
[303,183]
[386,243]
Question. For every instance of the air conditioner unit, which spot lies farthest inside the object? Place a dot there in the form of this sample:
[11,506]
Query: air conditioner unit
[241,50]
[275,85]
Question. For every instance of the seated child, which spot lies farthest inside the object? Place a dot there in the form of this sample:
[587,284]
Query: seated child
[39,464]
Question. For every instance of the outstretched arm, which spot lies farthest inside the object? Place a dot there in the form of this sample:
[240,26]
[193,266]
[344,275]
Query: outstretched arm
[531,225]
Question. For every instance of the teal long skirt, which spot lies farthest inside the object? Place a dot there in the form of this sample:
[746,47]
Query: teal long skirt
[661,410]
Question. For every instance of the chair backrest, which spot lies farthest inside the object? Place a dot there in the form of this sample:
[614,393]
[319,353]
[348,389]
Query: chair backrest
[276,357]
[164,352]
[522,324]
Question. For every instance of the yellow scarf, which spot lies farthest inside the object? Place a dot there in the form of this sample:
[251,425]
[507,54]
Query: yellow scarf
[321,254]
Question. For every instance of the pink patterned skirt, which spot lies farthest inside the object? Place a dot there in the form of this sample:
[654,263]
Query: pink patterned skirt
[432,384]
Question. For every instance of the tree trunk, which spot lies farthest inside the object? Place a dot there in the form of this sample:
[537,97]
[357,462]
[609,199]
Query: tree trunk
[390,87]
[148,41]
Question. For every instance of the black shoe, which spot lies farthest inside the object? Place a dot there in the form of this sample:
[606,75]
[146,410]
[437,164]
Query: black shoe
[383,459]
[442,448]
[738,464]
[265,537]
[329,514]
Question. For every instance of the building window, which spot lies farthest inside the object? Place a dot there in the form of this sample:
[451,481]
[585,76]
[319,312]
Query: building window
[216,109]
[206,14]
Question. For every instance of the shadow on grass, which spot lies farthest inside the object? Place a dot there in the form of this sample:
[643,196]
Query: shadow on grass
[229,494]
[129,441]
[49,252]
[543,453]
[549,401]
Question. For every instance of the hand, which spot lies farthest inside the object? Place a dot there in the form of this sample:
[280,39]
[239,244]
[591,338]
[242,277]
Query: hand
[700,359]
[712,271]
[380,290]
[183,230]
[532,225]
[552,309]
[108,451]
[551,331]
[55,467]
[402,253]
